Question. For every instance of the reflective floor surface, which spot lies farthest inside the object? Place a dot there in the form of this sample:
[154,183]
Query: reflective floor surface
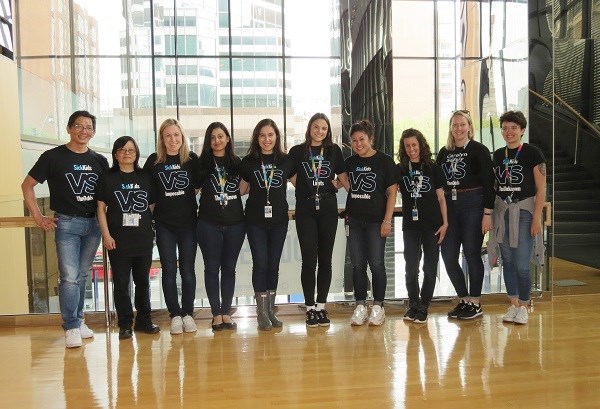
[552,362]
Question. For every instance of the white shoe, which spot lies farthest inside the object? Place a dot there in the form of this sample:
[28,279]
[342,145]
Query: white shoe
[73,338]
[189,325]
[510,314]
[522,316]
[176,325]
[360,315]
[84,331]
[377,316]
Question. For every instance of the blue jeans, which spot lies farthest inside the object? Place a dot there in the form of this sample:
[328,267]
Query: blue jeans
[464,227]
[367,246]
[516,261]
[220,246]
[169,241]
[417,242]
[266,246]
[77,240]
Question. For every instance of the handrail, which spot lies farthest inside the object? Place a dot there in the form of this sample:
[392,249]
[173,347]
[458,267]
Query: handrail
[590,125]
[23,221]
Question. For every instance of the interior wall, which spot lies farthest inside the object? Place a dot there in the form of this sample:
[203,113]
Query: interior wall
[13,279]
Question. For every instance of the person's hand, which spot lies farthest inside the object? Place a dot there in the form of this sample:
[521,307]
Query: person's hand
[442,233]
[46,223]
[486,223]
[386,228]
[109,243]
[536,227]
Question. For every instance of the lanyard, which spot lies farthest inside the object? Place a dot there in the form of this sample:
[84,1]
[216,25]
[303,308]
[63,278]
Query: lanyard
[268,180]
[506,168]
[222,177]
[316,169]
[419,178]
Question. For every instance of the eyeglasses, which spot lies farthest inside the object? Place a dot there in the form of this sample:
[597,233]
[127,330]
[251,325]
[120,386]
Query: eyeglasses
[123,151]
[80,128]
[510,128]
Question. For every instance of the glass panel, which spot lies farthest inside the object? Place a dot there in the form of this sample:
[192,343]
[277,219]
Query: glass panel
[412,21]
[256,28]
[318,40]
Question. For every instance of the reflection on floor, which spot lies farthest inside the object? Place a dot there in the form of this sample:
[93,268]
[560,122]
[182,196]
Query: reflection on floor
[567,276]
[553,361]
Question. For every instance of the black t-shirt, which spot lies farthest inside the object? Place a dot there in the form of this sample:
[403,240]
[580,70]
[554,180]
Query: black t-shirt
[211,207]
[521,182]
[253,172]
[128,193]
[468,167]
[174,184]
[313,170]
[419,186]
[72,178]
[369,179]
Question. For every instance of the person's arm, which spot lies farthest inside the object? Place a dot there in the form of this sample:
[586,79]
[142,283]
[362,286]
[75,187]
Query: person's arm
[343,180]
[244,187]
[386,224]
[46,223]
[107,240]
[539,176]
[293,180]
[444,210]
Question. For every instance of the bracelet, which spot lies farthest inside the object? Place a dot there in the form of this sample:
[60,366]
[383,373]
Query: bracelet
[487,214]
[387,222]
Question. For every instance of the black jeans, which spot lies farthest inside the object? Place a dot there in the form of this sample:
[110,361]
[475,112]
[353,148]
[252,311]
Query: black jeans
[316,234]
[417,242]
[266,246]
[122,268]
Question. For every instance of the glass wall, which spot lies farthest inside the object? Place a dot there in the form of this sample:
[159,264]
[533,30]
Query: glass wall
[400,63]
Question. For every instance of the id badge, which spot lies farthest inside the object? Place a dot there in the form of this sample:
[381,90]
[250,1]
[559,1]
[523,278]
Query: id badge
[131,219]
[454,194]
[347,226]
[268,212]
[223,199]
[317,203]
[415,214]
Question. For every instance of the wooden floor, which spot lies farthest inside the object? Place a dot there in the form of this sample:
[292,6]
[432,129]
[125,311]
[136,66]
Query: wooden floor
[552,362]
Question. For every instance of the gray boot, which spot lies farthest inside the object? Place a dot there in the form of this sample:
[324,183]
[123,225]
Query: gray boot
[272,316]
[262,311]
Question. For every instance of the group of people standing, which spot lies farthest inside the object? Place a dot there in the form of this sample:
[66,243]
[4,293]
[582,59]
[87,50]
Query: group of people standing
[447,202]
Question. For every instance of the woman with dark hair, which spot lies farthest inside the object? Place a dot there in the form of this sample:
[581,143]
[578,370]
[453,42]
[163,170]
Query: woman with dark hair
[173,171]
[520,171]
[317,161]
[369,211]
[266,170]
[125,205]
[220,227]
[469,190]
[424,219]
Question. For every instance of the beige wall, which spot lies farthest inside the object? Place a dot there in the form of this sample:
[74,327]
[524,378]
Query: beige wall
[13,273]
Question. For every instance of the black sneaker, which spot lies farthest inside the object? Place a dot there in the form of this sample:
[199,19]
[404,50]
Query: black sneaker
[322,318]
[148,328]
[311,319]
[421,316]
[410,314]
[458,309]
[471,311]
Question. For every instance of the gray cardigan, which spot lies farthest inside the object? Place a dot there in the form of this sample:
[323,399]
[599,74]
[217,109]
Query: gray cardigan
[498,226]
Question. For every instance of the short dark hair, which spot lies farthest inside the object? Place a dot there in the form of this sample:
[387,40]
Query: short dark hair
[363,125]
[514,116]
[118,144]
[78,114]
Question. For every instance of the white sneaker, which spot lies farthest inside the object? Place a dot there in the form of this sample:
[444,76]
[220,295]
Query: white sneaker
[522,316]
[189,325]
[84,331]
[176,325]
[73,338]
[510,314]
[360,315]
[377,316]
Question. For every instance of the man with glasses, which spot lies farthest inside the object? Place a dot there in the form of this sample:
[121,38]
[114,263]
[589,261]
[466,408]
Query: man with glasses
[72,171]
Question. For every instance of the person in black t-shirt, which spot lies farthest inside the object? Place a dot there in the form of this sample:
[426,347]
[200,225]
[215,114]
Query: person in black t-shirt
[72,171]
[266,169]
[317,161]
[174,174]
[125,204]
[424,219]
[369,211]
[469,190]
[220,226]
[520,171]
